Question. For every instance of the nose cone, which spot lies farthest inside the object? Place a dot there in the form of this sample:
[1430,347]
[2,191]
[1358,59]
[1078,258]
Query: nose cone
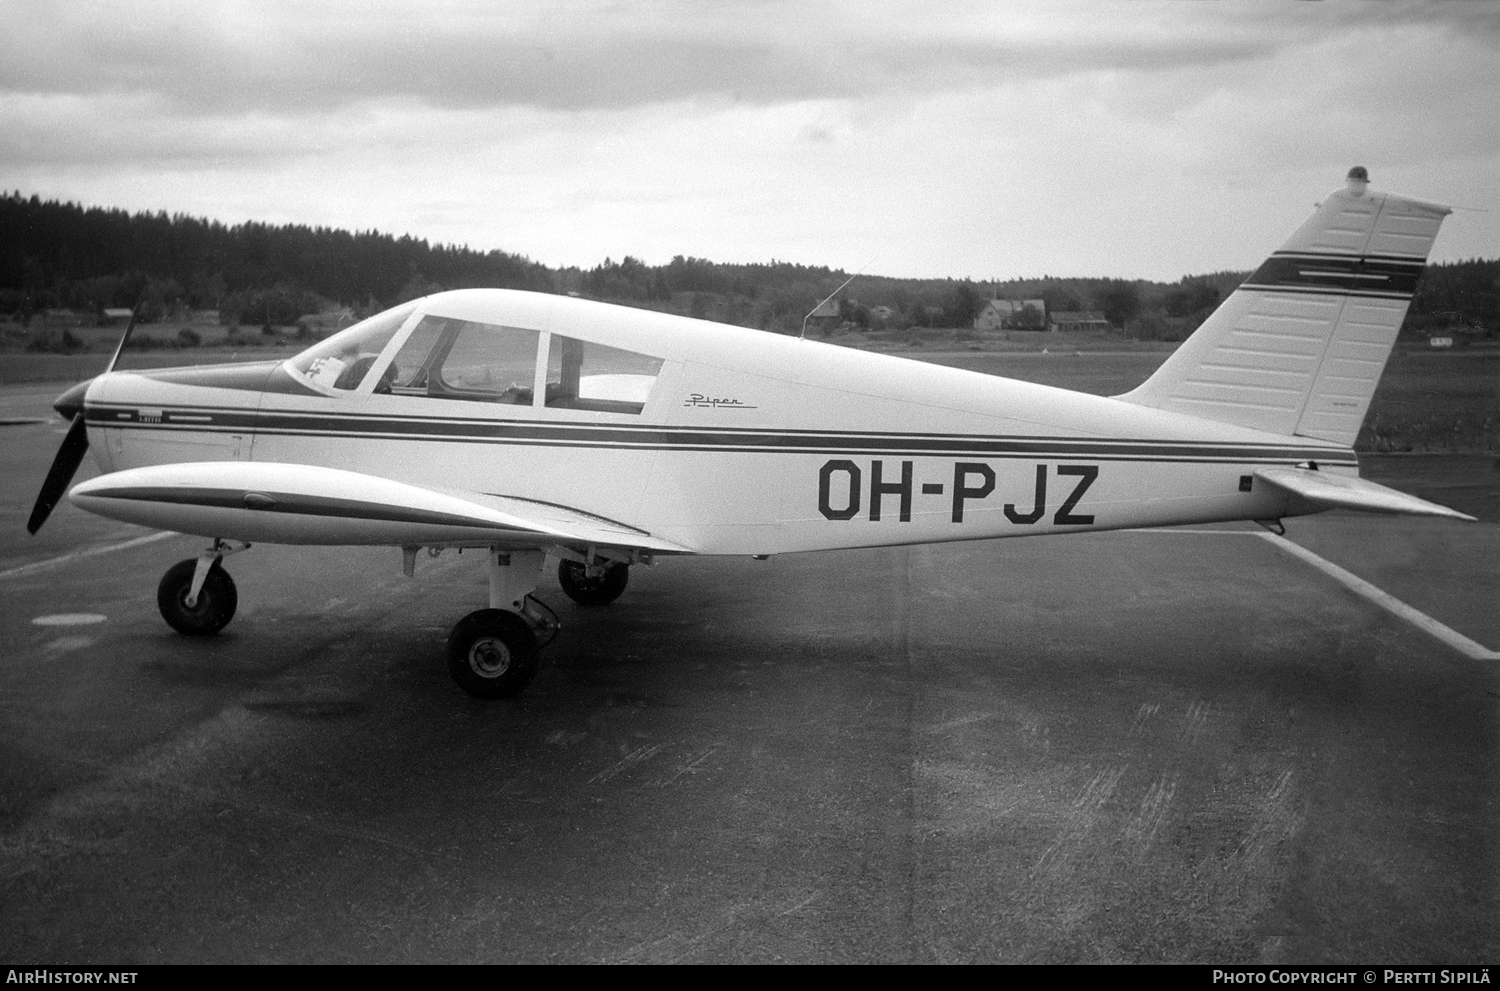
[70,403]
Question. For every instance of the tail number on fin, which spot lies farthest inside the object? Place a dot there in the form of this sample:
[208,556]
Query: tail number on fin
[842,491]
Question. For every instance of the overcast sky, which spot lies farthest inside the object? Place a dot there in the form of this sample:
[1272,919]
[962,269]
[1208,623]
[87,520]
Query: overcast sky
[983,140]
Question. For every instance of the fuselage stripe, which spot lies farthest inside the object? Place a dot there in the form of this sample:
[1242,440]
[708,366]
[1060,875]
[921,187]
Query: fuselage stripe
[732,439]
[1043,450]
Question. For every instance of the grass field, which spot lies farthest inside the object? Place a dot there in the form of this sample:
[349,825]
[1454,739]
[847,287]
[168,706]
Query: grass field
[1436,401]
[19,368]
[1427,401]
[916,341]
[154,336]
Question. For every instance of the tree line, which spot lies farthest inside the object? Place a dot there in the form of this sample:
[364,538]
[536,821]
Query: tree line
[57,255]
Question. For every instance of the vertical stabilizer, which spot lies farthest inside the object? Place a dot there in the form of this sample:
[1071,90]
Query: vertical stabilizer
[1299,347]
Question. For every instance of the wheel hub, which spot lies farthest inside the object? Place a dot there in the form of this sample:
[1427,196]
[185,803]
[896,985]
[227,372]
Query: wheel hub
[197,608]
[489,657]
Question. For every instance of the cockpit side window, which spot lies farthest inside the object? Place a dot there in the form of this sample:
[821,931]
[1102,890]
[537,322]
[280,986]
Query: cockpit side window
[341,362]
[446,358]
[588,376]
[409,370]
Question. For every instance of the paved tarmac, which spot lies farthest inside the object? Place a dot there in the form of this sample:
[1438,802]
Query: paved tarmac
[1164,746]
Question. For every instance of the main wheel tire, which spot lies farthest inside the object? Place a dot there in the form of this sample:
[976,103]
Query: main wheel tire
[586,591]
[492,654]
[216,603]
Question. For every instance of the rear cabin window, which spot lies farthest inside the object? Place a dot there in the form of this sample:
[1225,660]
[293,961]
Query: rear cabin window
[446,358]
[588,376]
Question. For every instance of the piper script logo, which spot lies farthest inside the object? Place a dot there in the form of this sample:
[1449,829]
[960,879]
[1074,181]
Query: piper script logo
[698,399]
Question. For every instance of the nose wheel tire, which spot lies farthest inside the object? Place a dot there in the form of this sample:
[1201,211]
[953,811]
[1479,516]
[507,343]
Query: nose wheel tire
[492,654]
[213,610]
[586,591]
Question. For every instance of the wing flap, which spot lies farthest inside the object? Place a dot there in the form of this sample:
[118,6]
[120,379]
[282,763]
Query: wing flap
[310,504]
[1348,492]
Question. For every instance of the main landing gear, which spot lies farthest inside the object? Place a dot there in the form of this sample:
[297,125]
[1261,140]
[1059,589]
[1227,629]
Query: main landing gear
[492,652]
[197,597]
[593,585]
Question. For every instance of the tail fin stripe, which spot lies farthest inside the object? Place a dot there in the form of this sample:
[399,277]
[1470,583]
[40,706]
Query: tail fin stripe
[1335,293]
[1346,273]
[1367,256]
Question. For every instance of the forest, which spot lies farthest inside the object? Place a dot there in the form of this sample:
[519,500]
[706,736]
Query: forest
[56,255]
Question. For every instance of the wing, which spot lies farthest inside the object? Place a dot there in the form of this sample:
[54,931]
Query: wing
[309,504]
[1347,492]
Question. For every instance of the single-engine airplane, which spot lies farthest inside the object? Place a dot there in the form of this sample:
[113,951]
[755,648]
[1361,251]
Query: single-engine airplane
[533,425]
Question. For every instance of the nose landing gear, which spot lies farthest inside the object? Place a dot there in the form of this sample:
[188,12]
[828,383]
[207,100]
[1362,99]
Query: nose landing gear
[197,597]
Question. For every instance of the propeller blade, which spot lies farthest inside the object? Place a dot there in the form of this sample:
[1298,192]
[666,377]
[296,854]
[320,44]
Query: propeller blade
[134,312]
[76,443]
[69,457]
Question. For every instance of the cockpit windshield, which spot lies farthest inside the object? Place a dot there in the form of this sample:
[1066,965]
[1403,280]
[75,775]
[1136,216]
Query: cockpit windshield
[342,361]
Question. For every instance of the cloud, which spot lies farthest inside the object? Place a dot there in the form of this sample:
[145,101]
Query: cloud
[976,139]
[281,59]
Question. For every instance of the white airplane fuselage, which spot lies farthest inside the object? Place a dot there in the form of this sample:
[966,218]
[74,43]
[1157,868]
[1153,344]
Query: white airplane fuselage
[747,443]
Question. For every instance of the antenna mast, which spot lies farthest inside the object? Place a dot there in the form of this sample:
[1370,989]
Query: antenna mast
[803,336]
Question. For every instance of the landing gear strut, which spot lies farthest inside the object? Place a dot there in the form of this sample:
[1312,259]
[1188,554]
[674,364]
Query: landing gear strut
[197,597]
[492,652]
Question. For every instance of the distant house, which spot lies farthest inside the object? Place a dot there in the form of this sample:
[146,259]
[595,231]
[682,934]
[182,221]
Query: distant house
[825,316]
[58,317]
[994,315]
[881,313]
[1079,320]
[116,315]
[1012,314]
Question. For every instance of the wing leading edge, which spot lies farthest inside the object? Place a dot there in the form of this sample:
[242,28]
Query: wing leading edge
[310,504]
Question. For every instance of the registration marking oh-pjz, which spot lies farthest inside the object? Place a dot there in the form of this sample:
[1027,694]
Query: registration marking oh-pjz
[844,495]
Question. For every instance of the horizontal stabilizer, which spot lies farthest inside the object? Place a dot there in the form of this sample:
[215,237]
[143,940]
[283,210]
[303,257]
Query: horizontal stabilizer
[1348,492]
